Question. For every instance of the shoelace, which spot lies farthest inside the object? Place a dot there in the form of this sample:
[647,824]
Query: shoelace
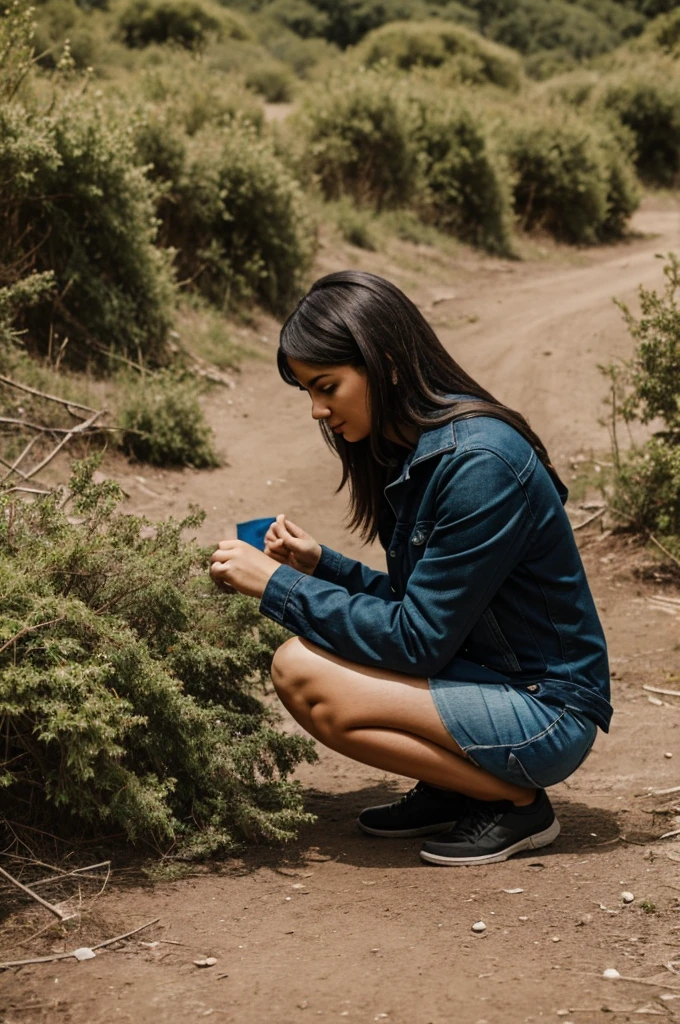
[479,817]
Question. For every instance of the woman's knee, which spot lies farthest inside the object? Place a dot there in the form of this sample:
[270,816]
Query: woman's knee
[288,667]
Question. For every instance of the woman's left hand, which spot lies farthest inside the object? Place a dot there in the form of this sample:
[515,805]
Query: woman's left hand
[242,567]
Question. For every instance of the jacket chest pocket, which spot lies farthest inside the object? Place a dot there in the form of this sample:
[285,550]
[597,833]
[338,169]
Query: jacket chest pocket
[407,547]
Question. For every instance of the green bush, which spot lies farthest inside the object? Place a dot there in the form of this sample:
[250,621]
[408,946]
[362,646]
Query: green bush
[272,79]
[59,20]
[237,221]
[535,25]
[189,23]
[74,203]
[356,139]
[664,33]
[468,185]
[127,702]
[573,176]
[646,389]
[356,225]
[647,101]
[162,423]
[406,45]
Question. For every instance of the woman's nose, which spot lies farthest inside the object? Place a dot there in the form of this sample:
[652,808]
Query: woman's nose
[320,410]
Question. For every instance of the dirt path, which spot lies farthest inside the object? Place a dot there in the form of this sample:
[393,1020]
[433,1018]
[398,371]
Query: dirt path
[342,926]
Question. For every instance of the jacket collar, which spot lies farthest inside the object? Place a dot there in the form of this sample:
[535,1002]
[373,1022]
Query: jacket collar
[430,443]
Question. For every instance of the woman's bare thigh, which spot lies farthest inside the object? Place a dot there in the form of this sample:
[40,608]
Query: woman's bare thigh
[350,696]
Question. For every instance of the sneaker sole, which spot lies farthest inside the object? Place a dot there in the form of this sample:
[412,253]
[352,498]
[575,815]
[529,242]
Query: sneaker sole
[530,843]
[409,833]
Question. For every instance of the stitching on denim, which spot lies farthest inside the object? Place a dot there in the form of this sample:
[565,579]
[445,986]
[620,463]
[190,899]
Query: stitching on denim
[518,746]
[288,593]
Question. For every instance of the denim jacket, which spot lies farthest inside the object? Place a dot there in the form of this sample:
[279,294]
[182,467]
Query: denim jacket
[484,580]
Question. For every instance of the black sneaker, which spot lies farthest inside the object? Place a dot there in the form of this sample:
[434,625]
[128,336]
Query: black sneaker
[422,811]
[493,831]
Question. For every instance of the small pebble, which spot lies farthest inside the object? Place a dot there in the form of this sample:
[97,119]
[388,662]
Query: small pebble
[511,892]
[586,919]
[556,938]
[627,897]
[208,961]
[479,926]
[562,1013]
[523,917]
[668,754]
[610,972]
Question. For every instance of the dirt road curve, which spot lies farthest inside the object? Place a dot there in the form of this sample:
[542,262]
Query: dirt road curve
[340,926]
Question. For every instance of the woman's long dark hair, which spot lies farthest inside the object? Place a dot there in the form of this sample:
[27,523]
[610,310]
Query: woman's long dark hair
[352,317]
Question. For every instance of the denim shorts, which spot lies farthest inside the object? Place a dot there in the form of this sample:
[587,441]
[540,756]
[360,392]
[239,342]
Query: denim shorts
[512,734]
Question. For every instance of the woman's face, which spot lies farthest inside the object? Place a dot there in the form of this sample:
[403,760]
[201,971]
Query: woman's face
[339,396]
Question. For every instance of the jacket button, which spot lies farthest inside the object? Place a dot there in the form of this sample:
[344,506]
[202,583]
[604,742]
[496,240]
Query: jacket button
[393,553]
[533,688]
[418,538]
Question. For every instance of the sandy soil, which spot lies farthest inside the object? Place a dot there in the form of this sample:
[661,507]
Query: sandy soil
[340,925]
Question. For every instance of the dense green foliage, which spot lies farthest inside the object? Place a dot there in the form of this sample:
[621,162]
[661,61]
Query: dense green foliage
[406,45]
[646,100]
[356,139]
[647,389]
[468,188]
[163,424]
[573,177]
[127,697]
[74,203]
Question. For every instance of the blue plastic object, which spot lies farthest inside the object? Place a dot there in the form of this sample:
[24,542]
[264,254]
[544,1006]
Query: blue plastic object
[254,530]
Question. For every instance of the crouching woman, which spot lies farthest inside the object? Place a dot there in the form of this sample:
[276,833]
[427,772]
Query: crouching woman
[477,663]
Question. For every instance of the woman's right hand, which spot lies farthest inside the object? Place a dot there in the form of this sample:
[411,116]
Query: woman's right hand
[290,545]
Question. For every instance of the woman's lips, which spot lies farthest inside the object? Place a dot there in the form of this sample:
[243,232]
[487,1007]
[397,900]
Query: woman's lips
[337,428]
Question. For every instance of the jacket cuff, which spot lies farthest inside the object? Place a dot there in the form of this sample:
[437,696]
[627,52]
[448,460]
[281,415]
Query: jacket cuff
[329,565]
[281,584]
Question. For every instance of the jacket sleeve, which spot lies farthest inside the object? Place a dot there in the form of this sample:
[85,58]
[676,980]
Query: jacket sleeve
[354,576]
[482,524]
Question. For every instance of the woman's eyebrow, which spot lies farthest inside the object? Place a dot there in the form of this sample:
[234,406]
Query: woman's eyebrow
[313,381]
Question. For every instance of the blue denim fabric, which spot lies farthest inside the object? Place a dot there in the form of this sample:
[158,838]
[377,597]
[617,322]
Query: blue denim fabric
[511,733]
[484,581]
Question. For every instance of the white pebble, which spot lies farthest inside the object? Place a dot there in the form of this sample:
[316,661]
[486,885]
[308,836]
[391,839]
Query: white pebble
[479,926]
[627,897]
[523,917]
[556,938]
[84,953]
[562,1013]
[611,972]
[209,961]
[668,754]
[511,892]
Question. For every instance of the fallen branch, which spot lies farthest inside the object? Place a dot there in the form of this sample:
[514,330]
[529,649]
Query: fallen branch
[44,394]
[69,874]
[66,956]
[596,515]
[659,689]
[661,792]
[81,428]
[34,895]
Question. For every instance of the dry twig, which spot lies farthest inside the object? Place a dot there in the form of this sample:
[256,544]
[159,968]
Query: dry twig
[66,956]
[50,906]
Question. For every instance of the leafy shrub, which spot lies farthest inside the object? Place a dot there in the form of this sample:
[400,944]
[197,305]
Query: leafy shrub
[573,177]
[127,699]
[237,220]
[74,203]
[468,187]
[59,20]
[163,424]
[535,25]
[406,45]
[301,17]
[356,139]
[647,101]
[646,389]
[356,225]
[189,96]
[272,79]
[574,87]
[189,23]
[664,33]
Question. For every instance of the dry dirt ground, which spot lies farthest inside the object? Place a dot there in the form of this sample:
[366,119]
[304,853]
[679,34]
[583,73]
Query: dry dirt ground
[338,925]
